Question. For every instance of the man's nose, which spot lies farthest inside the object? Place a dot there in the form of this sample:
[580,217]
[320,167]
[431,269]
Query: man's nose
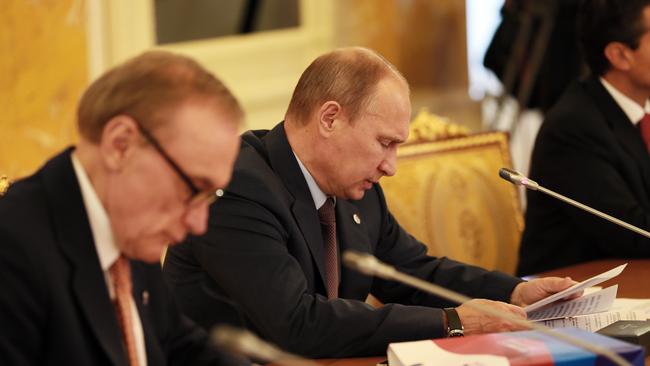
[196,219]
[388,166]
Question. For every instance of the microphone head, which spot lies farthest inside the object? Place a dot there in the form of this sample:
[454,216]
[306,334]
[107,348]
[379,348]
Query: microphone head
[510,175]
[244,343]
[517,178]
[362,262]
[367,264]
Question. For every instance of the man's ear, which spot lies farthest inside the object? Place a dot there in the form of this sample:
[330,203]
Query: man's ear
[619,55]
[329,116]
[119,139]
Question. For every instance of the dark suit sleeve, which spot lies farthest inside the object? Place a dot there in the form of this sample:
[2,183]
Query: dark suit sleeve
[189,345]
[184,342]
[408,255]
[22,309]
[245,253]
[578,157]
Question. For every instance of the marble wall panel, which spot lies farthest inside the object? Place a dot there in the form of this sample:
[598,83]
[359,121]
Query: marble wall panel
[43,71]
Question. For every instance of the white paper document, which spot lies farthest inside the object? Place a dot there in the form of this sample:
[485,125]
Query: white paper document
[594,322]
[595,302]
[427,353]
[622,309]
[577,287]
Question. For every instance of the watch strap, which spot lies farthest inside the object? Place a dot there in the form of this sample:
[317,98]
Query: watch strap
[454,326]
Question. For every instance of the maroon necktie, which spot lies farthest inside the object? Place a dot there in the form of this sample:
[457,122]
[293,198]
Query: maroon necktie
[644,127]
[328,229]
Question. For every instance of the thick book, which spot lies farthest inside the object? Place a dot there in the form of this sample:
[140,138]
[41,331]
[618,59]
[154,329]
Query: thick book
[526,348]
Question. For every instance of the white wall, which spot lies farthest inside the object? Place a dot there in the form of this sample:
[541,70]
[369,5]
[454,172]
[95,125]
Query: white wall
[260,68]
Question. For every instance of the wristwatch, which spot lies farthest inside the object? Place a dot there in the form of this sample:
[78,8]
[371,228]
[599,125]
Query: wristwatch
[454,326]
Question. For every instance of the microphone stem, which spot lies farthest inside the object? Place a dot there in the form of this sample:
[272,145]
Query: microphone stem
[390,273]
[592,211]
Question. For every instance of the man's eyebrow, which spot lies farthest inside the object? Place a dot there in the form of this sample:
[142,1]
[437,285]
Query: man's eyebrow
[394,139]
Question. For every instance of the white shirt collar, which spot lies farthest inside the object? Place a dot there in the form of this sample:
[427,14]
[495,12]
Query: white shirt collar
[632,110]
[100,225]
[317,194]
[107,251]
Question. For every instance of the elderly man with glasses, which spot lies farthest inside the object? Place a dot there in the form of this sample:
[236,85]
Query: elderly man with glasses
[81,239]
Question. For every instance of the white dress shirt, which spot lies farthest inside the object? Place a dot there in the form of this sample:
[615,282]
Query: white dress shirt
[632,110]
[107,250]
[317,194]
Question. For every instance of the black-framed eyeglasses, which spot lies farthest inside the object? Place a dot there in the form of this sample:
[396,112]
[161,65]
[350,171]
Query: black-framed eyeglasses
[197,196]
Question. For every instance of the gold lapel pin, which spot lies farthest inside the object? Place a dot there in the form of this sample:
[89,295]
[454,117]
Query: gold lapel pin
[356,219]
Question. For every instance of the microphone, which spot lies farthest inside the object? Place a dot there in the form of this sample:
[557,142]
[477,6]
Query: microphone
[518,179]
[244,343]
[370,265]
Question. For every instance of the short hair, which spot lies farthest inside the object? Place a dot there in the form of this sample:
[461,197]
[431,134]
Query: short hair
[347,75]
[146,88]
[604,21]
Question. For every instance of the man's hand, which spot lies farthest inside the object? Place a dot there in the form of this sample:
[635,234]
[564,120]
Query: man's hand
[529,292]
[477,322]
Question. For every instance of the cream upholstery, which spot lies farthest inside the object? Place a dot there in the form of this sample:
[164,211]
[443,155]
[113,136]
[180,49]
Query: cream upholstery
[447,193]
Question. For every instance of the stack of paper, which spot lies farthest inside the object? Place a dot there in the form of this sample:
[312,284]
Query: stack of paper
[590,312]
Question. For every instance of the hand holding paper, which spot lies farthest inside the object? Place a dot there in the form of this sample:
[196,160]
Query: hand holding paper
[577,287]
[530,292]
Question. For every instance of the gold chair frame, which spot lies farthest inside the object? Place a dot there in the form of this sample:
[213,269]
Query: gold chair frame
[447,194]
[4,184]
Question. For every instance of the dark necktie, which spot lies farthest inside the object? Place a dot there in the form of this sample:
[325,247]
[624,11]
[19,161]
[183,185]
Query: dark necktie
[121,276]
[644,127]
[328,229]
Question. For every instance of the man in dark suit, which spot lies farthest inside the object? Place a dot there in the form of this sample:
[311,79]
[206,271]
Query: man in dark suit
[81,239]
[305,192]
[591,147]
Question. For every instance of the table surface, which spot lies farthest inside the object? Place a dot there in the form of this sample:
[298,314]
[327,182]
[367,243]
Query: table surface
[632,283]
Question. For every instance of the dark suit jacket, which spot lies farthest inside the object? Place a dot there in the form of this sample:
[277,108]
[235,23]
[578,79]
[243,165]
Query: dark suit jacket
[586,149]
[262,262]
[54,304]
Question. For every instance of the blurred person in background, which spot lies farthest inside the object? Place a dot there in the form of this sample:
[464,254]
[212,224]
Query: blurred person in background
[594,147]
[81,239]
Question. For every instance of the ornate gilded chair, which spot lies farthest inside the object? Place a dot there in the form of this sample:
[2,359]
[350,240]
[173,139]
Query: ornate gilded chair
[4,184]
[447,193]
